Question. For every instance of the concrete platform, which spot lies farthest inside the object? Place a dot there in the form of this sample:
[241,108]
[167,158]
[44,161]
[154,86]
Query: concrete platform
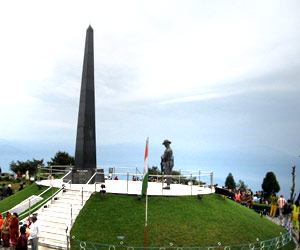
[132,188]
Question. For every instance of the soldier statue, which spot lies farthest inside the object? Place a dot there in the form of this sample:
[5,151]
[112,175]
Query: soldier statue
[167,162]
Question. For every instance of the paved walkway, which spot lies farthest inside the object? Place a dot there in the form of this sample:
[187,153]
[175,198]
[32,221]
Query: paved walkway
[276,220]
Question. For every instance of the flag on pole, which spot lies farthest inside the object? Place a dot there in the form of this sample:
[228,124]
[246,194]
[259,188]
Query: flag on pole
[146,173]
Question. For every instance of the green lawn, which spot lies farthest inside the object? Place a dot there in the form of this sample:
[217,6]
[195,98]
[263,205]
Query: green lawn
[177,221]
[19,196]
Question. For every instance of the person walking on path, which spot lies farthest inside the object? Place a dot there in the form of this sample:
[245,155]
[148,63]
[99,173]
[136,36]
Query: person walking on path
[22,243]
[34,234]
[14,230]
[274,199]
[281,202]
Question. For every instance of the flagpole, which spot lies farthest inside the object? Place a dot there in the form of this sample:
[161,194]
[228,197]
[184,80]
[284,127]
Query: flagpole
[146,212]
[146,222]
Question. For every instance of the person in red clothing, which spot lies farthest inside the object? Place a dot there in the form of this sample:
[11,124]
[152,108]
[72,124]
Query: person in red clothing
[14,230]
[5,229]
[1,222]
[116,178]
[22,241]
[238,196]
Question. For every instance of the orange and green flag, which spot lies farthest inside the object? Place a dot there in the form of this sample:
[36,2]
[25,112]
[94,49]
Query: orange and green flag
[146,172]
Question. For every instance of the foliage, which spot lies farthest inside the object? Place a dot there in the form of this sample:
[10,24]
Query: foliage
[270,184]
[242,186]
[23,166]
[62,158]
[293,195]
[182,221]
[230,183]
[154,170]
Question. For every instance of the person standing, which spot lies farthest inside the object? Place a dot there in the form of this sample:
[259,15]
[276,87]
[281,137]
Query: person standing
[1,222]
[14,230]
[274,199]
[34,233]
[281,202]
[9,191]
[295,216]
[2,192]
[5,229]
[22,243]
[287,209]
[238,196]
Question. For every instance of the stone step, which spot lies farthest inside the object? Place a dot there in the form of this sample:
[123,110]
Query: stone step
[51,244]
[54,225]
[62,209]
[63,215]
[49,229]
[53,237]
[64,206]
[69,201]
[73,198]
[43,217]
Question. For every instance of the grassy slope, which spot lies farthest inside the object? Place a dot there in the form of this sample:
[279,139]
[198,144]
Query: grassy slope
[19,196]
[183,221]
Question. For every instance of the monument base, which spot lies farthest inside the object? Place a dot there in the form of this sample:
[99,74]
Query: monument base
[82,176]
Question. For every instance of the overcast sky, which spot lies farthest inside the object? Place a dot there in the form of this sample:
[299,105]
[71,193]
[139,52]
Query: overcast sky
[204,74]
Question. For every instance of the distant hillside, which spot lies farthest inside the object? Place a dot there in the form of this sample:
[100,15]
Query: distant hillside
[249,164]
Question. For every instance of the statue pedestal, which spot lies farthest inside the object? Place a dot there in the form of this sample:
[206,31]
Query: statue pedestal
[82,176]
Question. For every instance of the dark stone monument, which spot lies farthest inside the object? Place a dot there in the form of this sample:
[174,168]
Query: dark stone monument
[85,153]
[167,162]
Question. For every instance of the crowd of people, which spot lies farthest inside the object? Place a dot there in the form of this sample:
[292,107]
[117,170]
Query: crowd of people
[5,191]
[15,237]
[288,215]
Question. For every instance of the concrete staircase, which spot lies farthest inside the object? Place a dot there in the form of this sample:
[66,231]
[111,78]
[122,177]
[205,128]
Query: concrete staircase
[56,220]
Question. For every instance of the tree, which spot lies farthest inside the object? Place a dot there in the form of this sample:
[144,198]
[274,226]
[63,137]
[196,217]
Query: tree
[230,183]
[242,186]
[293,185]
[62,159]
[270,184]
[154,170]
[23,166]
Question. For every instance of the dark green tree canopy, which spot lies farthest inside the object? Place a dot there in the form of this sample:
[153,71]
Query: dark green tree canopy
[230,183]
[242,186]
[23,166]
[270,184]
[62,158]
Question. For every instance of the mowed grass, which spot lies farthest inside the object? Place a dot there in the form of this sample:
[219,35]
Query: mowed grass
[19,196]
[182,221]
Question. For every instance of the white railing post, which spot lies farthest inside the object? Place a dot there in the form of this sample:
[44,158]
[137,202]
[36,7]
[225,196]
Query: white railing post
[211,180]
[127,180]
[179,175]
[191,183]
[82,196]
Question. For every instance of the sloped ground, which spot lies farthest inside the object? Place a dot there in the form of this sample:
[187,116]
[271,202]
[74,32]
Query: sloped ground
[172,221]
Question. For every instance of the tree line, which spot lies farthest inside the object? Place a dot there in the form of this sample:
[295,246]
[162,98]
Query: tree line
[60,158]
[269,185]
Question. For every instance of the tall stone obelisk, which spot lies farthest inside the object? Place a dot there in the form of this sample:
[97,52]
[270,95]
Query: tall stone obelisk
[85,153]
